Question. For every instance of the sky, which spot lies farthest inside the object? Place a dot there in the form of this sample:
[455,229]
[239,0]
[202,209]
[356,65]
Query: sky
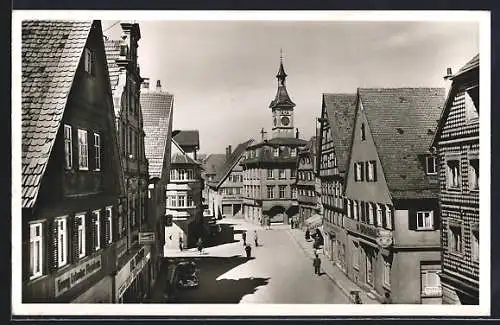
[222,73]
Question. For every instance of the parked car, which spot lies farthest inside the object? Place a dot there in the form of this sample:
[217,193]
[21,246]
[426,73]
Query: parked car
[187,275]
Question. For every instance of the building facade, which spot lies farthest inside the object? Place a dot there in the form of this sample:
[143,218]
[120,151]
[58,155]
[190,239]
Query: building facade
[211,165]
[73,194]
[335,138]
[226,189]
[184,207]
[457,144]
[269,167]
[133,283]
[307,197]
[392,218]
[157,108]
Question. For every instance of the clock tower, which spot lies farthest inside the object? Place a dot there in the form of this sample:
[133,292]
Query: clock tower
[282,108]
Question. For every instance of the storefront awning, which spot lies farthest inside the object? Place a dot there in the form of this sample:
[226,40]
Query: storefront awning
[315,221]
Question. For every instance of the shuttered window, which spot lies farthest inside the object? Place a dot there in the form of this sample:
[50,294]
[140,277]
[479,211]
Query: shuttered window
[96,229]
[97,151]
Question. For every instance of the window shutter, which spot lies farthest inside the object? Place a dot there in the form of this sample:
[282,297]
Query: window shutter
[374,171]
[412,219]
[52,247]
[437,219]
[90,150]
[104,230]
[362,176]
[74,222]
[26,249]
[89,233]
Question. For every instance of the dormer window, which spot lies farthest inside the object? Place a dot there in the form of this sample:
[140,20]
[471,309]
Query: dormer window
[431,165]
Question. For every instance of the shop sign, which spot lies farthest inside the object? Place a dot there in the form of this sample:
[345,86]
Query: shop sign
[76,275]
[146,237]
[136,264]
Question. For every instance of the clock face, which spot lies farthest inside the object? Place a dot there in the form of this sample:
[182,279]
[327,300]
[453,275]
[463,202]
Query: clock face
[285,120]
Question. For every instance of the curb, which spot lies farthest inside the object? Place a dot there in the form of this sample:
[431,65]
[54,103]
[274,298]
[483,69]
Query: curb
[344,290]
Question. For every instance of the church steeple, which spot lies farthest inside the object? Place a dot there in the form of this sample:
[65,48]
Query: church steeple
[281,72]
[282,98]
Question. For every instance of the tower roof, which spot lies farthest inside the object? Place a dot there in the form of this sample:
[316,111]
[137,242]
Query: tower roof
[282,98]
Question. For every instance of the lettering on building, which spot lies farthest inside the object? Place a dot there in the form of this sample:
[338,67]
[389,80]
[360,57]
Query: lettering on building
[69,279]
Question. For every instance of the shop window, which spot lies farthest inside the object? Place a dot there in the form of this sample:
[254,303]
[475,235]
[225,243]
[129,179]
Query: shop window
[430,281]
[474,174]
[36,250]
[62,241]
[455,238]
[68,146]
[453,173]
[431,165]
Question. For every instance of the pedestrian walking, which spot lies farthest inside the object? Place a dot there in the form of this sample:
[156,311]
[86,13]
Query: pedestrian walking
[180,243]
[269,223]
[255,238]
[317,264]
[248,250]
[244,237]
[199,245]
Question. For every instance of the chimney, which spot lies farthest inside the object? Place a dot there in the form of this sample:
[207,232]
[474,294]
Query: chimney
[449,74]
[228,151]
[296,133]
[158,85]
[145,84]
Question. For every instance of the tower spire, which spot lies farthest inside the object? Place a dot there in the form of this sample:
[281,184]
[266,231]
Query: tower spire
[281,71]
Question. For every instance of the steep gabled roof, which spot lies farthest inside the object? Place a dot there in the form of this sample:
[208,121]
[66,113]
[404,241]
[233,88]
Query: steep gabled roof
[187,138]
[341,111]
[157,110]
[182,157]
[231,162]
[473,64]
[214,162]
[402,121]
[112,48]
[51,52]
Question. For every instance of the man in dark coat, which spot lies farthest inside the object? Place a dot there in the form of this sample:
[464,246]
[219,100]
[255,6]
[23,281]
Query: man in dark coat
[244,237]
[317,264]
[248,250]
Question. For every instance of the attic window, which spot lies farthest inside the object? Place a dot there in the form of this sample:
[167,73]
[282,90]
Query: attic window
[403,100]
[400,130]
[65,36]
[363,132]
[41,69]
[430,132]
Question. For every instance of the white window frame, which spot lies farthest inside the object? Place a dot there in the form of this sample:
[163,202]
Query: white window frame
[358,171]
[181,199]
[88,60]
[109,221]
[294,192]
[182,174]
[379,215]
[36,259]
[97,223]
[62,241]
[68,146]
[370,213]
[282,190]
[276,152]
[355,210]
[428,164]
[270,174]
[190,174]
[349,205]
[453,174]
[293,152]
[83,150]
[388,217]
[270,192]
[427,220]
[282,174]
[81,235]
[371,171]
[97,151]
